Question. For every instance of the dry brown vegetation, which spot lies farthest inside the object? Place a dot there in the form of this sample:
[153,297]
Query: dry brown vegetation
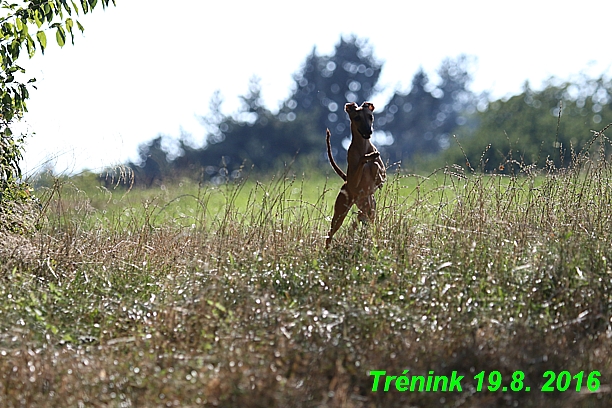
[227,297]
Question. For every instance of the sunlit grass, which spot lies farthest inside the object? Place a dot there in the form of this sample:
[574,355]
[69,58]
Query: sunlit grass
[193,294]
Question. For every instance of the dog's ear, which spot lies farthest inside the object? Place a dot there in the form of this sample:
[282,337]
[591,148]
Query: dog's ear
[350,107]
[368,105]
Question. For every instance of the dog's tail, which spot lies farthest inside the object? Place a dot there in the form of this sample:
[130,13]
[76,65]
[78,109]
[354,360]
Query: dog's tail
[337,169]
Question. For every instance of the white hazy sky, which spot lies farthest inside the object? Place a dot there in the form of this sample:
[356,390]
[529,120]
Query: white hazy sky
[148,67]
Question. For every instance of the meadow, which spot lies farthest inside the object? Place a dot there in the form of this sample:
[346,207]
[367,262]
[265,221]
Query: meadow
[191,294]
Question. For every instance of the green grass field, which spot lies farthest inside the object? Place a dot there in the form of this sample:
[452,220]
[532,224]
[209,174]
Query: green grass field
[199,295]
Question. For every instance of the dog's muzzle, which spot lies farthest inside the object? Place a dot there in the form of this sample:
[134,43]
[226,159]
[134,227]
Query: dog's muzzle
[365,135]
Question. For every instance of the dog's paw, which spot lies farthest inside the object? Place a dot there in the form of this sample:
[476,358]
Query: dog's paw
[373,155]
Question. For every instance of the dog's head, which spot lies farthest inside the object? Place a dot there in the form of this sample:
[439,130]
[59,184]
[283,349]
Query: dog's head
[361,117]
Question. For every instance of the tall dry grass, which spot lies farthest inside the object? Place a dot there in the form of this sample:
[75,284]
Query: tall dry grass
[225,296]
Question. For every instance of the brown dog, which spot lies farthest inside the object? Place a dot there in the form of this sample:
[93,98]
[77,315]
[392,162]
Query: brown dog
[365,172]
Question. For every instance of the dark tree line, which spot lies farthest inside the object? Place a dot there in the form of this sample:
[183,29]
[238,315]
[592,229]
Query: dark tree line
[421,121]
[418,121]
[416,126]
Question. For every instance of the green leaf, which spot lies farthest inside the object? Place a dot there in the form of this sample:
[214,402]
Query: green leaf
[81,28]
[92,3]
[19,24]
[24,30]
[37,18]
[69,25]
[60,36]
[42,40]
[76,9]
[8,30]
[30,45]
[15,47]
[66,6]
[48,12]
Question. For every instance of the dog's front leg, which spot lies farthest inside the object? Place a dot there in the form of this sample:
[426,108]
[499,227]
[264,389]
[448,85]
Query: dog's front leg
[354,178]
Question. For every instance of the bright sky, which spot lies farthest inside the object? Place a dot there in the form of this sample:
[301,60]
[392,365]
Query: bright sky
[148,67]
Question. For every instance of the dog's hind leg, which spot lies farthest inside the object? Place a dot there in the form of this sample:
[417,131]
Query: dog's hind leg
[341,208]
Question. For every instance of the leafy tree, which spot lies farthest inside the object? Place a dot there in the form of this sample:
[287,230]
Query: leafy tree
[257,136]
[153,162]
[421,120]
[326,83]
[253,136]
[409,118]
[526,129]
[16,34]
